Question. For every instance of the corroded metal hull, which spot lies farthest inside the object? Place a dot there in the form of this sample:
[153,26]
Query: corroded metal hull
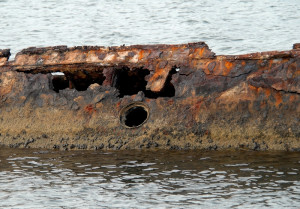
[151,96]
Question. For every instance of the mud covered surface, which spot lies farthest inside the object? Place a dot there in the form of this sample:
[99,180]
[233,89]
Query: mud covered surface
[149,97]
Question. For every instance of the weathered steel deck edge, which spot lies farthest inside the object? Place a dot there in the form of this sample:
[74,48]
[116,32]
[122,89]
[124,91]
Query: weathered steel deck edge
[150,97]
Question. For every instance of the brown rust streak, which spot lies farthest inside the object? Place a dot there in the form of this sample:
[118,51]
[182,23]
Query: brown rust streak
[218,101]
[194,56]
[157,81]
[70,60]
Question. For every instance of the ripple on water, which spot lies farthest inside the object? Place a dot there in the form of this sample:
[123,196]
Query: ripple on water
[149,179]
[229,27]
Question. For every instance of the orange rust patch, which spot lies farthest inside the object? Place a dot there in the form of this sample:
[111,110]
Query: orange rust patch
[201,52]
[268,68]
[267,92]
[89,109]
[219,70]
[260,90]
[118,105]
[174,48]
[194,63]
[253,88]
[292,98]
[196,53]
[157,74]
[141,54]
[228,67]
[278,98]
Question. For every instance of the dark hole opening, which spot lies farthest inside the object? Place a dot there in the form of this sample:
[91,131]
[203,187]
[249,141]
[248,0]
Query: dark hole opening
[130,82]
[59,82]
[135,116]
[83,79]
[127,81]
[80,81]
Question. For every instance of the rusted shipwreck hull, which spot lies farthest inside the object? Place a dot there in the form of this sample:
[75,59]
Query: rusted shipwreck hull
[151,96]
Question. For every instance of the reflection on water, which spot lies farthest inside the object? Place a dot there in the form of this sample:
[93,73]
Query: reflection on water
[148,179]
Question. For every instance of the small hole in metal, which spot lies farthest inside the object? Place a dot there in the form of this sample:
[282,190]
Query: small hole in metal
[134,115]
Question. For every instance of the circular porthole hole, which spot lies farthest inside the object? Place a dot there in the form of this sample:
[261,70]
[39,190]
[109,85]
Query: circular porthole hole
[134,115]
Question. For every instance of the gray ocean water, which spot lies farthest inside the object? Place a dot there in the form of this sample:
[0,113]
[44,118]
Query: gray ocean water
[228,27]
[149,179]
[143,179]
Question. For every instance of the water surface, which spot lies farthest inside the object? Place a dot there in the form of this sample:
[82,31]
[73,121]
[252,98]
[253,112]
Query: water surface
[228,27]
[148,179]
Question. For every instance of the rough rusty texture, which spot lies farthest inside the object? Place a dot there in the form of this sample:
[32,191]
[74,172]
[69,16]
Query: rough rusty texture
[157,96]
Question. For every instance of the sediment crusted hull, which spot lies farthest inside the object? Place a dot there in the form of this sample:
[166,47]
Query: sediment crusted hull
[152,96]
